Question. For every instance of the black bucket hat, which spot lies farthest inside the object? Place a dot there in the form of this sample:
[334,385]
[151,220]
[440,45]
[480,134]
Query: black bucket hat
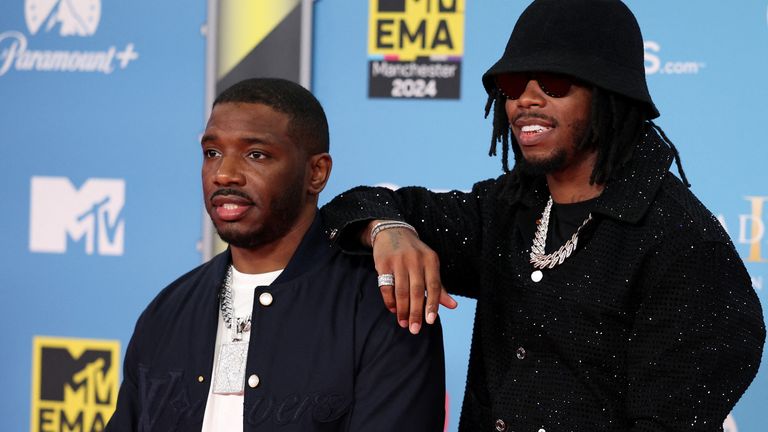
[596,41]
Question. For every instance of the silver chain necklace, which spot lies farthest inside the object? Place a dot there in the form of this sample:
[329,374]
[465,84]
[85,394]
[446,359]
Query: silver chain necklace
[229,377]
[539,259]
[242,325]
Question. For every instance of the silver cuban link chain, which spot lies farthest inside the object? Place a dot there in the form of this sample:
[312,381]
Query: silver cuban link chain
[539,259]
[242,325]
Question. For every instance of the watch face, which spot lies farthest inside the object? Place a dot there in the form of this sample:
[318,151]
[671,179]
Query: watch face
[67,17]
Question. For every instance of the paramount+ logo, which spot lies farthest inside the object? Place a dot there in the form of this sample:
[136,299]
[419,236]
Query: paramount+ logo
[21,52]
[74,384]
[69,17]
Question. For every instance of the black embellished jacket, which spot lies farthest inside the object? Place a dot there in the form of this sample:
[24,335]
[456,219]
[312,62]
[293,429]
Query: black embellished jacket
[651,325]
[329,356]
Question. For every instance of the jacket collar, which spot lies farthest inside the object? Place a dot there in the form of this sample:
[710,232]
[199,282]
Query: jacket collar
[627,197]
[312,252]
[309,254]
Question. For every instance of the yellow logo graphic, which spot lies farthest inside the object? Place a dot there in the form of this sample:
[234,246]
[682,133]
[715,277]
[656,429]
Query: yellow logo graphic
[757,232]
[404,30]
[244,25]
[74,383]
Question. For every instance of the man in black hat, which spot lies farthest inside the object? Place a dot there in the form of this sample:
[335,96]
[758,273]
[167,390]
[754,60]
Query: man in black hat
[608,297]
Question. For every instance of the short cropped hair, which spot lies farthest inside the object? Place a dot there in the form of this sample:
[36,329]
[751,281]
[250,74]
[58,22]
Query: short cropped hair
[308,126]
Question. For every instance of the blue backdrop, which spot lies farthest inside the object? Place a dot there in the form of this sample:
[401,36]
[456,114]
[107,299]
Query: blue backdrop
[103,104]
[132,127]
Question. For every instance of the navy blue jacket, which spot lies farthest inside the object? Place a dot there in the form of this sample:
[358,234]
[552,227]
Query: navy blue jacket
[329,356]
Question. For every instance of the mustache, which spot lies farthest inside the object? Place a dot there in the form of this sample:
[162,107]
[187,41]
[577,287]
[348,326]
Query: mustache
[230,191]
[529,115]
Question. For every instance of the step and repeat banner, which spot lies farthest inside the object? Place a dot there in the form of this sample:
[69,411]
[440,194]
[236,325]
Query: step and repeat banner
[101,108]
[102,103]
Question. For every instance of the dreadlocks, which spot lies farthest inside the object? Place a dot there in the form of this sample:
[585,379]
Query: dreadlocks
[617,124]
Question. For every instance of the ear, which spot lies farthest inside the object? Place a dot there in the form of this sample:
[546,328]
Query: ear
[318,172]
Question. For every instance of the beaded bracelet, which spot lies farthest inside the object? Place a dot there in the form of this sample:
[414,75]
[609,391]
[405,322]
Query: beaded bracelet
[381,226]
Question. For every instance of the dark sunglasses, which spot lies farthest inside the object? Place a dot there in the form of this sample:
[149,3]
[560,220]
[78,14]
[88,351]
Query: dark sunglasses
[512,85]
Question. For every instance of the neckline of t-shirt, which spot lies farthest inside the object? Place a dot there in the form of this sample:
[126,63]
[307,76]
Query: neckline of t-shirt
[252,280]
[576,205]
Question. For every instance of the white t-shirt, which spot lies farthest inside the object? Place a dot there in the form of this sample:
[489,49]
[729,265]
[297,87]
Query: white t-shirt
[225,412]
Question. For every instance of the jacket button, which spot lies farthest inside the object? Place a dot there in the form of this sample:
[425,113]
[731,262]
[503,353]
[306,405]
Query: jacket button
[520,353]
[501,426]
[265,299]
[334,233]
[253,381]
[537,276]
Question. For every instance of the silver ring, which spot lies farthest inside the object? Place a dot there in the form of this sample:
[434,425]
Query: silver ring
[386,280]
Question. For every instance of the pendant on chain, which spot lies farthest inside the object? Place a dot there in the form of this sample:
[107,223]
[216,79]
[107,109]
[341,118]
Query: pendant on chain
[229,377]
[229,374]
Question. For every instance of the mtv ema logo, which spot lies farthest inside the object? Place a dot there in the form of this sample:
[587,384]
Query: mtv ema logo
[61,213]
[74,383]
[71,17]
[66,18]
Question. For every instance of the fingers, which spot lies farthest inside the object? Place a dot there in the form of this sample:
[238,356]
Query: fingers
[402,297]
[416,270]
[388,294]
[434,286]
[447,301]
[416,305]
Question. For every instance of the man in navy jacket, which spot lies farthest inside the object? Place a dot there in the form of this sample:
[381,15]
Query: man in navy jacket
[281,332]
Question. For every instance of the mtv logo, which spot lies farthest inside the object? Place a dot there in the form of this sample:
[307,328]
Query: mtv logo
[92,214]
[84,377]
[74,383]
[70,17]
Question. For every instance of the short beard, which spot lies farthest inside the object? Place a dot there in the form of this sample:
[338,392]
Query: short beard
[558,160]
[284,213]
[540,167]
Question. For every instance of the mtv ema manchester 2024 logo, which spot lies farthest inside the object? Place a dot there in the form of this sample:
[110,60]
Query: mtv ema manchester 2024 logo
[62,215]
[74,383]
[63,18]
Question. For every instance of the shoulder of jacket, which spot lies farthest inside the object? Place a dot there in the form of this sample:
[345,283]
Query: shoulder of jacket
[182,288]
[677,207]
